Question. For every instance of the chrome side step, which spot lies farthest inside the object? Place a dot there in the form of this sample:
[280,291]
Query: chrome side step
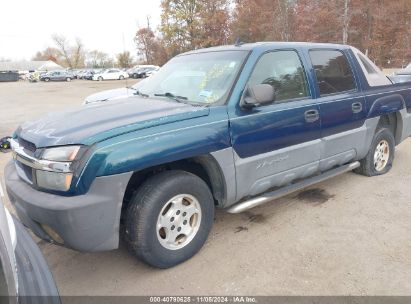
[269,196]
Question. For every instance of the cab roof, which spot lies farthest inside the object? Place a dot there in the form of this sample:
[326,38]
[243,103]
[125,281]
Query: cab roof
[262,46]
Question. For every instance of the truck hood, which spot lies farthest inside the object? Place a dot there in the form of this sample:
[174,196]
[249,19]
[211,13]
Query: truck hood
[96,122]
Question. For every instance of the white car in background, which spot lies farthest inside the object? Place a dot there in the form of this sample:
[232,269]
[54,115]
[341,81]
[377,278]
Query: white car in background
[110,74]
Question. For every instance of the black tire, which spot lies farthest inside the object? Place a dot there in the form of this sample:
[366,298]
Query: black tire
[100,78]
[46,79]
[135,76]
[148,201]
[121,77]
[367,165]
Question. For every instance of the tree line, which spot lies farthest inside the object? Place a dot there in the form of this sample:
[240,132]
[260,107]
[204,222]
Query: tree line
[380,28]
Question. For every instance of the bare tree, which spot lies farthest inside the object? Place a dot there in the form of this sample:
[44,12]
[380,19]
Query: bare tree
[98,59]
[78,53]
[346,21]
[62,45]
[73,55]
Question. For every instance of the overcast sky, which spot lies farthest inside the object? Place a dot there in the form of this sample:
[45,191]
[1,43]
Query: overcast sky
[26,26]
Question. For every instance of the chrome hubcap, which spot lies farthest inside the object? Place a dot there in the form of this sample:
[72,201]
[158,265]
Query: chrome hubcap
[381,155]
[178,221]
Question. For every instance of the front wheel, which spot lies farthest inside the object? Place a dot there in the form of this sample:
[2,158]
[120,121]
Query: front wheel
[169,218]
[380,157]
[121,77]
[100,78]
[68,79]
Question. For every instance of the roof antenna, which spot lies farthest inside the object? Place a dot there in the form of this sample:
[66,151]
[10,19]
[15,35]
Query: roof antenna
[238,42]
[124,52]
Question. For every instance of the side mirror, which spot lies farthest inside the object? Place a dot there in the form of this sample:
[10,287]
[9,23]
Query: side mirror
[257,95]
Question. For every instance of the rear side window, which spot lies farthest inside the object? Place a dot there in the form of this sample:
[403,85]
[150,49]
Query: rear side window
[367,65]
[282,70]
[333,72]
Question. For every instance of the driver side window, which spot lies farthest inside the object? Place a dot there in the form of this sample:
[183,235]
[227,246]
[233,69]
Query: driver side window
[282,70]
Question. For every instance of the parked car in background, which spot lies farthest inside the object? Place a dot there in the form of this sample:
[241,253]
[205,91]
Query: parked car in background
[143,72]
[402,75]
[88,75]
[152,72]
[57,76]
[114,94]
[71,74]
[400,78]
[81,74]
[24,274]
[74,72]
[110,74]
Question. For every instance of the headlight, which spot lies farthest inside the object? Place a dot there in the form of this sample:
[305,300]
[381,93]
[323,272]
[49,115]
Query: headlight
[66,153]
[59,161]
[54,180]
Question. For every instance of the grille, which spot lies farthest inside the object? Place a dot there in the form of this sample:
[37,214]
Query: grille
[27,145]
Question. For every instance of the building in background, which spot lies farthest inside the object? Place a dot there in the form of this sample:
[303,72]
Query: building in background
[23,67]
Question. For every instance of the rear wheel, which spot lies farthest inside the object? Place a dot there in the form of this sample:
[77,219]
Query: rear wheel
[380,157]
[169,218]
[100,78]
[121,77]
[46,79]
[68,79]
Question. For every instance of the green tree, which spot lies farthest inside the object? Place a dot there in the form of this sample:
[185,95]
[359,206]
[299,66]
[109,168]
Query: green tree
[180,24]
[191,24]
[124,60]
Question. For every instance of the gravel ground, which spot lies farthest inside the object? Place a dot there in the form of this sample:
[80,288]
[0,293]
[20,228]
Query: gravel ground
[350,235]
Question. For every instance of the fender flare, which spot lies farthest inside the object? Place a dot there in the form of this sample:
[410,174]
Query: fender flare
[392,106]
[386,104]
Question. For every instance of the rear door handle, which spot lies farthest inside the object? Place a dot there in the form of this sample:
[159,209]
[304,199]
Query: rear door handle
[356,107]
[311,115]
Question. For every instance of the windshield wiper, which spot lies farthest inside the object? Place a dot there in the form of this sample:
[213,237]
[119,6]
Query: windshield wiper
[137,92]
[173,97]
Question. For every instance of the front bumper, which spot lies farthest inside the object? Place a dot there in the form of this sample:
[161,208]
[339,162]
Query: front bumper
[88,222]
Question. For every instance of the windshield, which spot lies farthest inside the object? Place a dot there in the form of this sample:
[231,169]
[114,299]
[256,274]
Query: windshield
[201,78]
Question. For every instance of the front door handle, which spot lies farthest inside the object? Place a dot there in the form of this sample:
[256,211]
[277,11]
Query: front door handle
[311,115]
[356,107]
